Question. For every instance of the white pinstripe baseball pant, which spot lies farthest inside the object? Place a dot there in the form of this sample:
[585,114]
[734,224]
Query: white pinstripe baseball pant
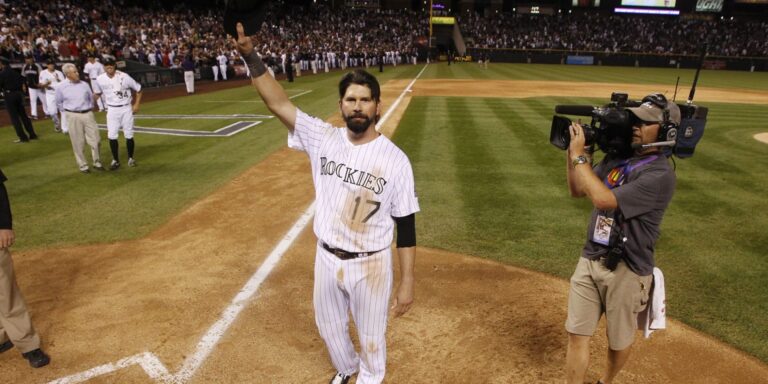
[363,287]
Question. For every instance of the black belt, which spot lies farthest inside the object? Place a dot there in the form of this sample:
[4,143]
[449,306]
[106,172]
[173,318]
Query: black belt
[117,106]
[345,255]
[85,111]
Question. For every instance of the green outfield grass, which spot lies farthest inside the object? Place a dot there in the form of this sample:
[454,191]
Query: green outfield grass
[707,78]
[490,184]
[54,205]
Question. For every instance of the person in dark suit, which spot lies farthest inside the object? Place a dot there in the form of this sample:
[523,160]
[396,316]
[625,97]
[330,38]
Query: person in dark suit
[12,86]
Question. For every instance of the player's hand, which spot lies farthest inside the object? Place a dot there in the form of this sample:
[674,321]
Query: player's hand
[576,147]
[7,238]
[135,108]
[243,42]
[404,298]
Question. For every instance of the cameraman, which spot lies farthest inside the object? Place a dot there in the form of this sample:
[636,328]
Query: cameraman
[615,271]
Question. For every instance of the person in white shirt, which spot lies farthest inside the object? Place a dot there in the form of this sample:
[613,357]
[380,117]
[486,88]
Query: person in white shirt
[49,80]
[74,99]
[364,190]
[93,69]
[222,60]
[117,86]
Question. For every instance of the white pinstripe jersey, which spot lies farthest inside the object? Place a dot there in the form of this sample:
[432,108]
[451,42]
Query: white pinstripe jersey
[117,90]
[358,188]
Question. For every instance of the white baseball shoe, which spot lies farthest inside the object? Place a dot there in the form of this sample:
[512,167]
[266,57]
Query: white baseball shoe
[339,378]
[131,162]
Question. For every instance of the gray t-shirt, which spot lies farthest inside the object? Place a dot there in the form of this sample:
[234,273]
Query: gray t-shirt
[642,197]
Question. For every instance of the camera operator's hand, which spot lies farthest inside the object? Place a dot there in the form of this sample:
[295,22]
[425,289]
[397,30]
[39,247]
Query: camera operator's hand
[576,147]
[243,42]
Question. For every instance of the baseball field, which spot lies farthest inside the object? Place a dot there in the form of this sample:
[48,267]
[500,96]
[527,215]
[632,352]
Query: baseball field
[196,266]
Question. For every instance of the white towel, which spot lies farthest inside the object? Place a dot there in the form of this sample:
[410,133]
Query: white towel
[656,308]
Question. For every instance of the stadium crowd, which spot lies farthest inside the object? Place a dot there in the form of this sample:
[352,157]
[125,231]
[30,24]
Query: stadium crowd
[67,30]
[316,37]
[616,33]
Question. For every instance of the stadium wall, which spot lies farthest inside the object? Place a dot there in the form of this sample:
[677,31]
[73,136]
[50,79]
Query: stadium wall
[620,59]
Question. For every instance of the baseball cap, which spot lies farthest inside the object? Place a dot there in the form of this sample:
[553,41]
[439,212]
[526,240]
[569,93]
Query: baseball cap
[109,61]
[651,112]
[51,61]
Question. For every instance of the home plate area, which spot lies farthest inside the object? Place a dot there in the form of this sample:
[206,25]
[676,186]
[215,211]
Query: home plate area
[225,131]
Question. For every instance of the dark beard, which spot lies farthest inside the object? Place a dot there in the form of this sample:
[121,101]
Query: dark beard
[357,126]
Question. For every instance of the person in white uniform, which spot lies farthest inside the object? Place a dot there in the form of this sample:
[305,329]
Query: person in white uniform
[31,72]
[93,69]
[116,86]
[50,78]
[364,190]
[222,60]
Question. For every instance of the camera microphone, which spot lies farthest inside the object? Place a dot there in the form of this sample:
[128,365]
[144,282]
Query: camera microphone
[637,146]
[578,110]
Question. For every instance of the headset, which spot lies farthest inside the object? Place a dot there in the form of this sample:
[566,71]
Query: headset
[667,128]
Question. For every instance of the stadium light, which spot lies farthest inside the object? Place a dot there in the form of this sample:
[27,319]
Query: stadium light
[673,12]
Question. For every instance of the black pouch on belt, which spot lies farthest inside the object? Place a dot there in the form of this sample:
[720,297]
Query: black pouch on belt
[611,260]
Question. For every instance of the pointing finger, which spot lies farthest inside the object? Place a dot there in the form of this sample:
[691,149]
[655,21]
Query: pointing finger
[240,30]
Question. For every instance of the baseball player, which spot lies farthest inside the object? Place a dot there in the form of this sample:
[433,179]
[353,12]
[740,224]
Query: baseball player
[116,86]
[222,60]
[364,189]
[188,66]
[93,69]
[31,72]
[49,80]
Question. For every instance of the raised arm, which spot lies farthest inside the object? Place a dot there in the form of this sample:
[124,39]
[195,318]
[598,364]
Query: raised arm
[582,180]
[269,89]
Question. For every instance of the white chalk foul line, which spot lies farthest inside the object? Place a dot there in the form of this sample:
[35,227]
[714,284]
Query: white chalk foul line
[148,361]
[253,101]
[217,330]
[152,365]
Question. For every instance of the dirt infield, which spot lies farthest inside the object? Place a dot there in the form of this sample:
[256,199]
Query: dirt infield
[762,137]
[474,321]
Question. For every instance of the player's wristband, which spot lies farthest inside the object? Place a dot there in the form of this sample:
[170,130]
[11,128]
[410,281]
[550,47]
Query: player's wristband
[255,65]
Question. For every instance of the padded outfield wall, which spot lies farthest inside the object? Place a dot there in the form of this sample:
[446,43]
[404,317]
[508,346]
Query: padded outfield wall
[551,56]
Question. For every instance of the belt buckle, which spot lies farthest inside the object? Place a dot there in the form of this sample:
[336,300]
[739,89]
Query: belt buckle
[339,253]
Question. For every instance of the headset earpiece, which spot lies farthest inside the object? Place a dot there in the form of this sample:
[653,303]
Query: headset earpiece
[667,128]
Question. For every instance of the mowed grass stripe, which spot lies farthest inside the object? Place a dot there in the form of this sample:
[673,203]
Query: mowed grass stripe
[603,74]
[54,205]
[713,242]
[429,145]
[488,200]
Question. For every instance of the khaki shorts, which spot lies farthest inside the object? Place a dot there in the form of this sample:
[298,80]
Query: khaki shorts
[620,294]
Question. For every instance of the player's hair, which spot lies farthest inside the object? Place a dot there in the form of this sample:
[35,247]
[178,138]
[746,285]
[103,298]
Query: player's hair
[68,67]
[360,77]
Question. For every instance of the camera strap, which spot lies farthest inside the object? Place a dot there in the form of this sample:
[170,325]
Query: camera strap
[618,175]
[609,231]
